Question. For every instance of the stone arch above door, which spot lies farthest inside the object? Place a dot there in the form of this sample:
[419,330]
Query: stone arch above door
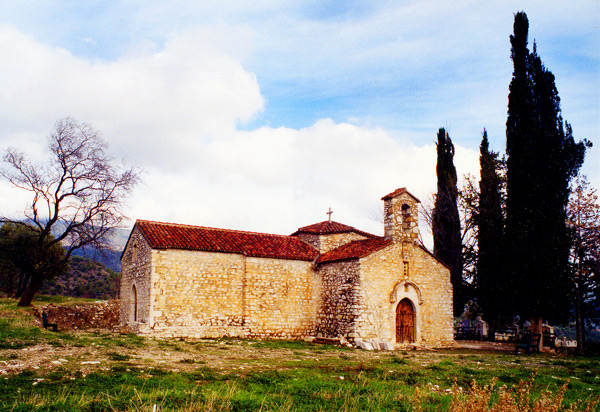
[410,291]
[406,289]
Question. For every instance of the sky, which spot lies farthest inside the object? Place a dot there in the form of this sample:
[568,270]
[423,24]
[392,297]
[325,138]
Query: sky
[262,115]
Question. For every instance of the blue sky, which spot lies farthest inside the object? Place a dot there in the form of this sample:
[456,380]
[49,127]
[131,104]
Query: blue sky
[286,108]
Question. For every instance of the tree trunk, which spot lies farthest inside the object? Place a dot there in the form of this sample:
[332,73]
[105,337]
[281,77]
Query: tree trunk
[23,279]
[579,324]
[536,327]
[34,284]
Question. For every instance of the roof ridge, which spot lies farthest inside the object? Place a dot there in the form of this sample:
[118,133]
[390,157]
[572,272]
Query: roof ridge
[211,228]
[338,227]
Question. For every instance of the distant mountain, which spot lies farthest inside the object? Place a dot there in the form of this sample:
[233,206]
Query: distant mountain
[87,279]
[109,258]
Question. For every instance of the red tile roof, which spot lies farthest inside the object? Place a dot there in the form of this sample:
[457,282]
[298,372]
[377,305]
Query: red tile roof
[355,250]
[328,227]
[398,192]
[176,236]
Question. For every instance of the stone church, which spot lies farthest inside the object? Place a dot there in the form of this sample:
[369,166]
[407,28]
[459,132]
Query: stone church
[326,280]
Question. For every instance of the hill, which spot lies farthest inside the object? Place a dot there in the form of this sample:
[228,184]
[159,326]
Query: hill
[87,279]
[106,257]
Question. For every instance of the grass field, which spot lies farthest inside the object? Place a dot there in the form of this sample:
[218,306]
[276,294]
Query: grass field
[102,371]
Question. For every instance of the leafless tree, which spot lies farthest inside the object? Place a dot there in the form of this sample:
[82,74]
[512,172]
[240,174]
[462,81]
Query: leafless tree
[583,221]
[77,196]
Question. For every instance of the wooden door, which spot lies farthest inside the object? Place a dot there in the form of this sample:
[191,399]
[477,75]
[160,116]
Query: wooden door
[405,322]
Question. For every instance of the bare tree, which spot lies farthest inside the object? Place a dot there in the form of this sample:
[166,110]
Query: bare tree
[76,197]
[583,221]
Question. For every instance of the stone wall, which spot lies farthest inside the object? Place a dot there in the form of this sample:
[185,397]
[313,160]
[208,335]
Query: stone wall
[433,278]
[338,311]
[424,281]
[401,219]
[325,243]
[282,297]
[203,294]
[136,273]
[90,315]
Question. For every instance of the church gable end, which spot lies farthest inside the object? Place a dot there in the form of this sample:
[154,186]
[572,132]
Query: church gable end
[135,290]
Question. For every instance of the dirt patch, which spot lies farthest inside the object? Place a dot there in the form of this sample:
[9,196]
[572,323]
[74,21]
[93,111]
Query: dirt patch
[485,345]
[93,315]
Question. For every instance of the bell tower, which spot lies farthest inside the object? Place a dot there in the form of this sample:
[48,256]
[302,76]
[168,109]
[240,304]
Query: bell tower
[401,219]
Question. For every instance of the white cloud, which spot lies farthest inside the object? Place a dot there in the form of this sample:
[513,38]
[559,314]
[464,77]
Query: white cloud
[155,105]
[175,95]
[176,112]
[276,180]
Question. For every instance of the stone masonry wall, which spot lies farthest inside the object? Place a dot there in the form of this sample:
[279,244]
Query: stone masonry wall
[434,280]
[379,275]
[338,310]
[136,271]
[325,243]
[202,294]
[335,240]
[282,298]
[401,217]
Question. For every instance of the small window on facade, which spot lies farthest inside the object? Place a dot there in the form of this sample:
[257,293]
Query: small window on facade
[134,252]
[405,270]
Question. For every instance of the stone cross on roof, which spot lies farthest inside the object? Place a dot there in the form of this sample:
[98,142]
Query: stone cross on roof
[329,213]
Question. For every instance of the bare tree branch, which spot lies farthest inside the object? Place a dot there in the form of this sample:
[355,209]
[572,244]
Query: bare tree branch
[77,196]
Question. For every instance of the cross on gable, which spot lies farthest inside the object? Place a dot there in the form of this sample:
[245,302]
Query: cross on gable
[329,213]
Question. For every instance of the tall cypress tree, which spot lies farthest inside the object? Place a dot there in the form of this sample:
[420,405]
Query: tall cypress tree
[447,244]
[542,159]
[491,288]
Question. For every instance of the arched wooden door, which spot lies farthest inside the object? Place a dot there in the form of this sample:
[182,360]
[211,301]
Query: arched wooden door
[405,322]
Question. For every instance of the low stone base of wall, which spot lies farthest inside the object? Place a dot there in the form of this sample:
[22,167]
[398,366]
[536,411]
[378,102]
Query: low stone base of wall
[214,332]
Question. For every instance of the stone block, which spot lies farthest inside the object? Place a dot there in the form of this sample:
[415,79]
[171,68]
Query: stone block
[364,345]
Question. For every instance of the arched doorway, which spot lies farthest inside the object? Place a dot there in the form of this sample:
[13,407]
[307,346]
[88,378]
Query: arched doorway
[405,322]
[133,305]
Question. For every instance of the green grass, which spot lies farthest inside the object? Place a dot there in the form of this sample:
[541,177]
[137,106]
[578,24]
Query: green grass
[96,371]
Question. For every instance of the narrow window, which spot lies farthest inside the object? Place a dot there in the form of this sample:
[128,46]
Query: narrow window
[133,315]
[405,270]
[134,252]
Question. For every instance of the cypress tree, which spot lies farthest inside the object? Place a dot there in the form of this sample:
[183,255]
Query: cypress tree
[447,245]
[542,159]
[491,288]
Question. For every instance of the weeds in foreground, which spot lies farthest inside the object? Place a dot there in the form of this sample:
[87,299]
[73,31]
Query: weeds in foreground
[519,398]
[272,396]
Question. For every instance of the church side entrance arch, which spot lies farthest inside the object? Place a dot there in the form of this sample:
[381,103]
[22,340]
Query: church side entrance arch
[405,322]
